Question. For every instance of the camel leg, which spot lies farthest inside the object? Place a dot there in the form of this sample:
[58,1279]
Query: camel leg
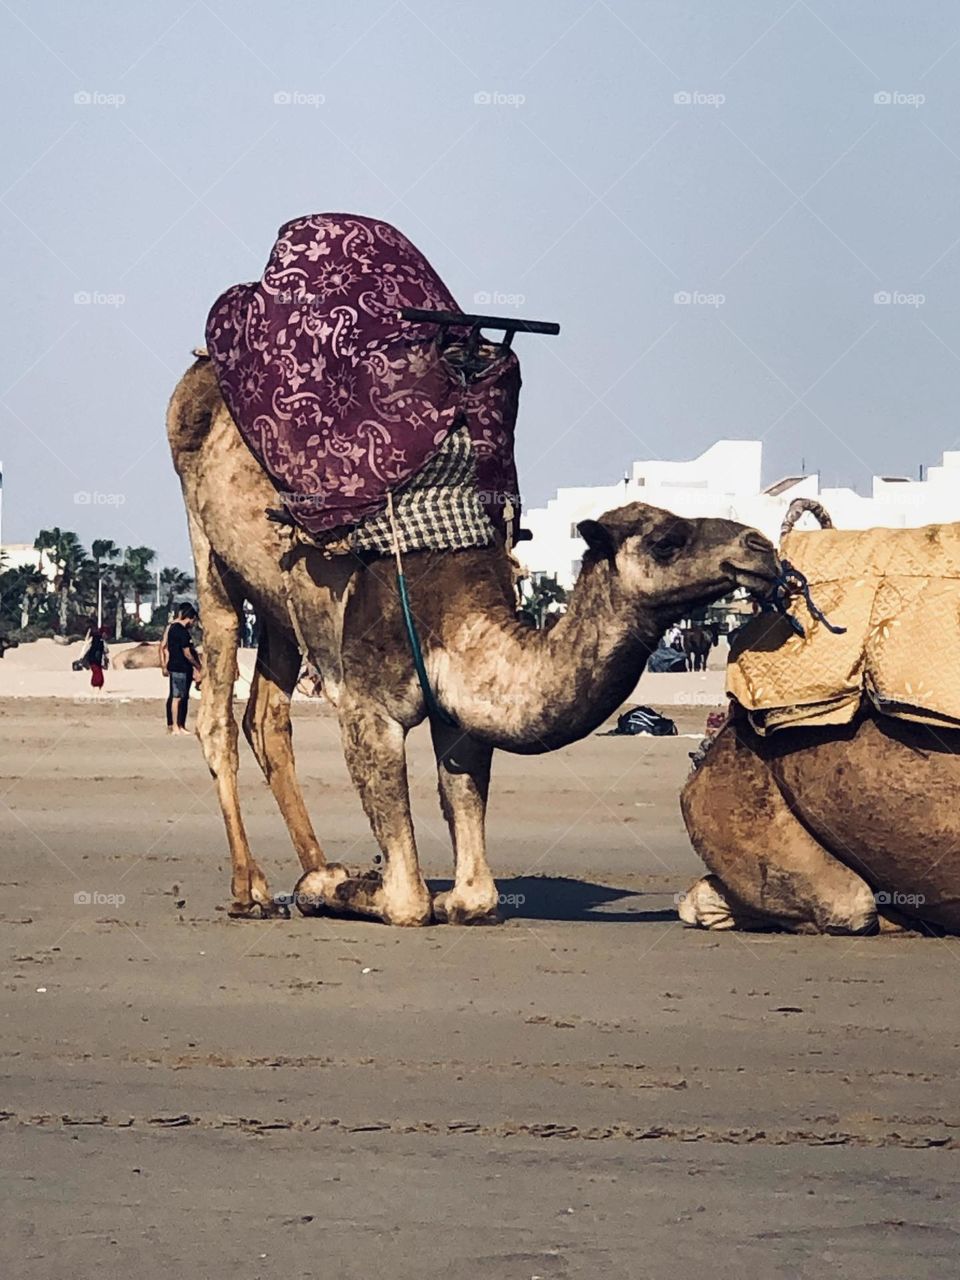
[374,747]
[770,872]
[220,612]
[266,724]
[463,769]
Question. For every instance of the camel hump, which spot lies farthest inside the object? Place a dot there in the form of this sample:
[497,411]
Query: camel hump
[195,401]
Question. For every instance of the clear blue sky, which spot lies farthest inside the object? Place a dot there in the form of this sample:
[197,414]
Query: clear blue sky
[584,186]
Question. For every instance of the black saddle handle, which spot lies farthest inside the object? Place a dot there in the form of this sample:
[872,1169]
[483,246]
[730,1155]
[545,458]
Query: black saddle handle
[461,320]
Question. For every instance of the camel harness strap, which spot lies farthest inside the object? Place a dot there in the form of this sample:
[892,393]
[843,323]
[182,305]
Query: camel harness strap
[434,709]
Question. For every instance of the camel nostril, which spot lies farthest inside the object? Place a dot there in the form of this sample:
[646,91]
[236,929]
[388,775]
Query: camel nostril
[757,542]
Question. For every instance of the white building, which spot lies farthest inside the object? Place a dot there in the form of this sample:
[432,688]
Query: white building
[725,481]
[24,555]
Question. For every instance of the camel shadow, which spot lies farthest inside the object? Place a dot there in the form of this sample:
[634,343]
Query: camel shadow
[563,898]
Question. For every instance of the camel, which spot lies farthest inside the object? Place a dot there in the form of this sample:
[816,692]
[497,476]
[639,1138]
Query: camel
[698,640]
[849,829]
[501,682]
[138,657]
[844,829]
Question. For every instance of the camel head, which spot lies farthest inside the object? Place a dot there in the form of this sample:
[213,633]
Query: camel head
[668,564]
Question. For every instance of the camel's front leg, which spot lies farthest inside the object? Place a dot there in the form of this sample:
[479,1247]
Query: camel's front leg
[463,768]
[374,746]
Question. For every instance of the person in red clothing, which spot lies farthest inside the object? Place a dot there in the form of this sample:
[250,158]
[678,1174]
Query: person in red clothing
[95,656]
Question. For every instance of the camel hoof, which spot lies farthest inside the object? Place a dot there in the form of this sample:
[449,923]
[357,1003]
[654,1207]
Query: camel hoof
[316,891]
[447,909]
[276,909]
[704,905]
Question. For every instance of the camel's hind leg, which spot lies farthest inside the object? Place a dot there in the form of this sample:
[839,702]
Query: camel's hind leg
[221,607]
[769,870]
[266,723]
[463,768]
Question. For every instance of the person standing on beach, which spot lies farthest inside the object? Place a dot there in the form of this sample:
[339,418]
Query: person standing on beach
[95,656]
[179,661]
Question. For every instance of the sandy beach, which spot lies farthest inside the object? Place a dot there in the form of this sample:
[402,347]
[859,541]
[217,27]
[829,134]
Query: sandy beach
[587,1090]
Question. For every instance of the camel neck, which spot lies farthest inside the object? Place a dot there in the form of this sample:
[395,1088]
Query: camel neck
[530,691]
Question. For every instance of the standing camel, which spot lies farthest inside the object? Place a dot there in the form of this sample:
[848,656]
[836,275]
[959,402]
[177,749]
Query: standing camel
[698,640]
[503,684]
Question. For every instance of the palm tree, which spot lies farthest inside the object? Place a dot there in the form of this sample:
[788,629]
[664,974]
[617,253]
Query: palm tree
[136,570]
[18,589]
[66,551]
[175,583]
[103,551]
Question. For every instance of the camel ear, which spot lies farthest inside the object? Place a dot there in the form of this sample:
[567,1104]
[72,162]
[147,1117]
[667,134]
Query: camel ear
[600,538]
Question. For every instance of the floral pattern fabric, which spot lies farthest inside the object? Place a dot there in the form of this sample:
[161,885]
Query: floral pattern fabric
[339,399]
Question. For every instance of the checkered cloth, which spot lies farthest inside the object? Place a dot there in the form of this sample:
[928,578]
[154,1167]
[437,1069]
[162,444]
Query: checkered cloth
[438,509]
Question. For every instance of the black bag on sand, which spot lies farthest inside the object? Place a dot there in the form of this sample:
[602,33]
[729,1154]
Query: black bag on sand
[645,720]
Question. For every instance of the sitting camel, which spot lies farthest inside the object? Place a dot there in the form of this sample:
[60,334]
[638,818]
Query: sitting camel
[843,829]
[503,683]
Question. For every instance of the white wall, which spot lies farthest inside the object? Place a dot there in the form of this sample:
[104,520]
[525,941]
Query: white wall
[725,482]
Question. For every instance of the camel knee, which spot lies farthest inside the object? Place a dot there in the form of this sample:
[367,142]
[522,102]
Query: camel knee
[218,738]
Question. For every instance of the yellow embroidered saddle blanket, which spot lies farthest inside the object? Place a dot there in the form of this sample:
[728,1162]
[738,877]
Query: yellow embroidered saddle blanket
[897,592]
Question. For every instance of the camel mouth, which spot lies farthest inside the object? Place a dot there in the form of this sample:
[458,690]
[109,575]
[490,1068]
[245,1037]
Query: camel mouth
[753,580]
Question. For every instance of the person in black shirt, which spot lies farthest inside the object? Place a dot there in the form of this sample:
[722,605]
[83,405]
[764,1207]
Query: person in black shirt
[179,661]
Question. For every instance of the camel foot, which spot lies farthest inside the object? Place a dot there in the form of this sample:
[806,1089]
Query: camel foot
[367,896]
[275,909]
[316,891]
[454,908]
[705,905]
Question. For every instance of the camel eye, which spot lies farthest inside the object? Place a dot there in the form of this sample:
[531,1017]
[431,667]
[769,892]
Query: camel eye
[669,545]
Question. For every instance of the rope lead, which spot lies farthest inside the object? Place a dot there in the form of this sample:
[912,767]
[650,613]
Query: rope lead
[791,582]
[434,709]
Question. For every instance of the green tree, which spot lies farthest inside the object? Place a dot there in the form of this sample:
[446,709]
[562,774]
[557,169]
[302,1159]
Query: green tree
[19,588]
[136,574]
[544,592]
[174,582]
[103,552]
[67,554]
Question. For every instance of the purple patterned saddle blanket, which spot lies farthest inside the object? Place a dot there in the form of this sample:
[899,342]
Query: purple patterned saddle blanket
[339,399]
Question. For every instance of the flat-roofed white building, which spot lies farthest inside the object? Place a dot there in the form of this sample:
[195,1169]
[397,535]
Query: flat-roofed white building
[725,481]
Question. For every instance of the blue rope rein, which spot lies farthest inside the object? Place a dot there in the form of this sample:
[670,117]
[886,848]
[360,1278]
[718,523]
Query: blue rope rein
[434,709]
[790,583]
